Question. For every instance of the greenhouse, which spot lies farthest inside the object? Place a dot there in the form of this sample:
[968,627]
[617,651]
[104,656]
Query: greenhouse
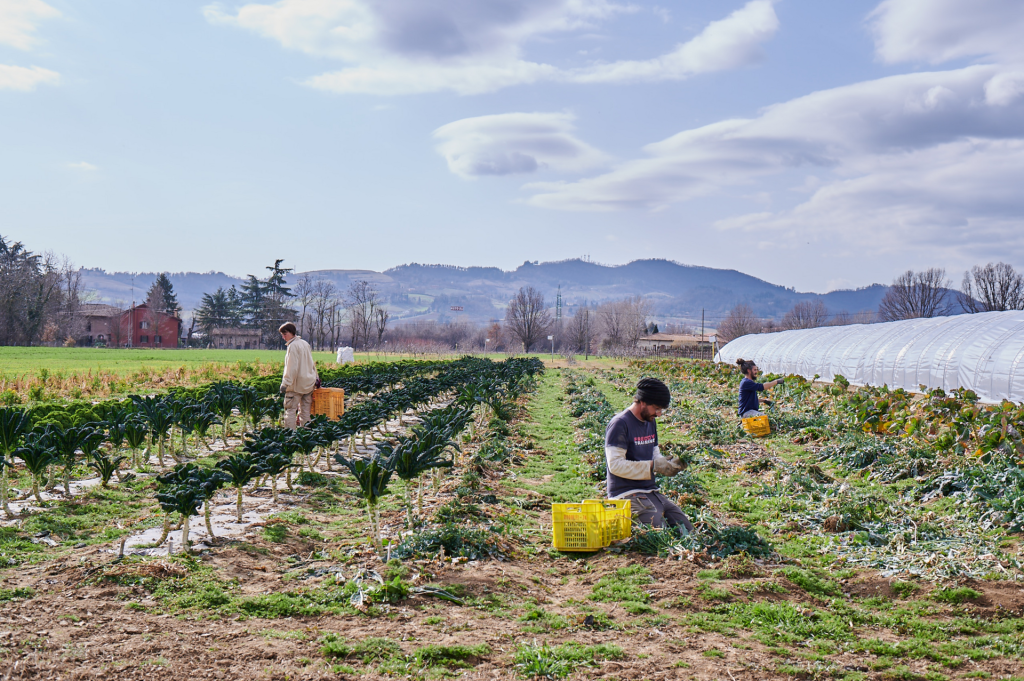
[983,352]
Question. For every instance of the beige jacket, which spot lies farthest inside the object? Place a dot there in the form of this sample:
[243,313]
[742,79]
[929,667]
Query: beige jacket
[299,368]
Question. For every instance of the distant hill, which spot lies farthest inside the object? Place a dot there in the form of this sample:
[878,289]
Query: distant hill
[419,292]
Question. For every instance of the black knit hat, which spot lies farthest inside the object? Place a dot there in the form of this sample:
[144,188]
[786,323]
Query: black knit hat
[653,391]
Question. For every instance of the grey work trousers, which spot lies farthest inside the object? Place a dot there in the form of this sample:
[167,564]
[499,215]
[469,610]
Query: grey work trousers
[657,510]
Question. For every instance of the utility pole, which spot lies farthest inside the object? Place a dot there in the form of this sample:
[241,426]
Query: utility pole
[586,321]
[702,333]
[558,305]
[131,317]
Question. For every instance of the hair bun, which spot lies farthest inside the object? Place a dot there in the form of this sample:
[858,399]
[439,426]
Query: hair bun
[740,361]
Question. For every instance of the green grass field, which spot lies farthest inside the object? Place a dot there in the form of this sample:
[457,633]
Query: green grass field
[18,361]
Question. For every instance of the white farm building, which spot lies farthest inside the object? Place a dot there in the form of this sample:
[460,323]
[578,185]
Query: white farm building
[983,352]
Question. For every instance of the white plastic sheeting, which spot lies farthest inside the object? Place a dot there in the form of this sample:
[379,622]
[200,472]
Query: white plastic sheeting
[983,352]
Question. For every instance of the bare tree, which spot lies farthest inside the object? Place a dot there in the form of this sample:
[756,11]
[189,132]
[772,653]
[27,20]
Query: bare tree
[526,318]
[637,310]
[305,289]
[614,323]
[740,322]
[844,318]
[916,294]
[497,337]
[806,315]
[382,324]
[992,288]
[581,330]
[362,301]
[322,295]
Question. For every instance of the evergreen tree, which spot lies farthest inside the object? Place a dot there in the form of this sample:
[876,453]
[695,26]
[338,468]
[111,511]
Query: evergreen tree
[265,303]
[253,296]
[220,309]
[162,293]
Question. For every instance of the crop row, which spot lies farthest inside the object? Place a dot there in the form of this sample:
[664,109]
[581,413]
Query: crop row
[49,445]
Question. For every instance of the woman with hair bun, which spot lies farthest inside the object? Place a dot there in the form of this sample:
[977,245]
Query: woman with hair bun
[749,406]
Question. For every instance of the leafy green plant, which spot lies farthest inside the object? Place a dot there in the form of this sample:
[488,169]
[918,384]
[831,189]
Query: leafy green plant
[159,416]
[954,595]
[135,431]
[373,476]
[241,469]
[410,457]
[13,426]
[105,466]
[532,661]
[184,499]
[223,399]
[37,457]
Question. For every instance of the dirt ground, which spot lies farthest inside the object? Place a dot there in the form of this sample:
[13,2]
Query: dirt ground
[76,630]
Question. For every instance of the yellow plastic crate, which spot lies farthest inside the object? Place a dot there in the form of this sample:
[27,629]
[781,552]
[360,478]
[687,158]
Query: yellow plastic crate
[617,522]
[591,524]
[577,527]
[758,426]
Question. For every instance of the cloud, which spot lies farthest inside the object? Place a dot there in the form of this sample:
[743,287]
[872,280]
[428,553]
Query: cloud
[936,31]
[961,197]
[467,46]
[730,43]
[832,130]
[25,78]
[18,19]
[82,165]
[512,143]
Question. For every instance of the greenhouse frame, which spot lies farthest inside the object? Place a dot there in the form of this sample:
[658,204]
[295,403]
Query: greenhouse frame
[983,352]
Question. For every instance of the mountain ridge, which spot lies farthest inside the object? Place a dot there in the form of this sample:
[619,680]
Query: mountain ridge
[417,291]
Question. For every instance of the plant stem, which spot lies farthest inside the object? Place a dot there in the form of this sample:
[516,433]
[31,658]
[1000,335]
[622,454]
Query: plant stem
[3,493]
[166,531]
[238,506]
[419,495]
[184,534]
[206,515]
[408,503]
[370,508]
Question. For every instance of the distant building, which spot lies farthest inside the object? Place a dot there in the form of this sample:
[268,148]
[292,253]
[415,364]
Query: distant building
[101,325]
[668,341]
[236,339]
[150,328]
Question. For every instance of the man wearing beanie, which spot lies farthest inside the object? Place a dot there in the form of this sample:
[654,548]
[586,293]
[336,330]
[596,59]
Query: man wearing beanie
[631,452]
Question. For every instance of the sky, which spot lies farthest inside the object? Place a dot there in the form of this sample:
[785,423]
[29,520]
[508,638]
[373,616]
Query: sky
[817,145]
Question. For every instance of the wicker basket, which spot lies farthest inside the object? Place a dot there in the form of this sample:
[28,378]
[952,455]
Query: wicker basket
[328,401]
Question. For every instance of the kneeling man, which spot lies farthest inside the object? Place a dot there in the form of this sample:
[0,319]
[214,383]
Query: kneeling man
[631,452]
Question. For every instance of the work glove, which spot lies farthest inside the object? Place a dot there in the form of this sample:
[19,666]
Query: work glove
[666,467]
[780,381]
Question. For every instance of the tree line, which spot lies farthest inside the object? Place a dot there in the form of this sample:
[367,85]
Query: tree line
[995,287]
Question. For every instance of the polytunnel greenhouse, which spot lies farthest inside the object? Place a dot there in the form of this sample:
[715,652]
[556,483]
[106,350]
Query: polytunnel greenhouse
[983,352]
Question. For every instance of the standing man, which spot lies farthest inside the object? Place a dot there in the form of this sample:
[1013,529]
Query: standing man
[631,452]
[299,378]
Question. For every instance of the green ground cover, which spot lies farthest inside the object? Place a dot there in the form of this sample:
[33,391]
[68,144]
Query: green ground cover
[819,555]
[20,361]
